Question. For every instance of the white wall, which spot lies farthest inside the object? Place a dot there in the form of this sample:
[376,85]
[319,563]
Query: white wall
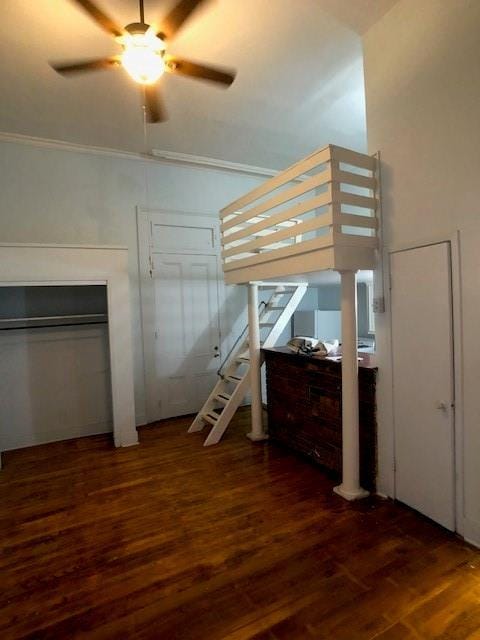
[50,195]
[422,74]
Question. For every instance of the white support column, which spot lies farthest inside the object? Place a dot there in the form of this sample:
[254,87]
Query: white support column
[257,432]
[350,488]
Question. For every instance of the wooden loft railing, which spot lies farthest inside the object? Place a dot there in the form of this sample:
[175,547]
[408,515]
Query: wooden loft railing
[318,214]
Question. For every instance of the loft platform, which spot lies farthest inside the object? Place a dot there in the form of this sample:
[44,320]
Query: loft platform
[319,214]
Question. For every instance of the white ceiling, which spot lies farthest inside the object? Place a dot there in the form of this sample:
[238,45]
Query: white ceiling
[299,83]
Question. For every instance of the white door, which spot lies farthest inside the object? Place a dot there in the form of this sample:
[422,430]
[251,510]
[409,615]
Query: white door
[187,345]
[181,290]
[423,388]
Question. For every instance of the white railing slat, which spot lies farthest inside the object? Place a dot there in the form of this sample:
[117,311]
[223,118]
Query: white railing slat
[285,252]
[270,221]
[349,239]
[283,197]
[296,170]
[347,156]
[355,200]
[319,222]
[352,220]
[355,179]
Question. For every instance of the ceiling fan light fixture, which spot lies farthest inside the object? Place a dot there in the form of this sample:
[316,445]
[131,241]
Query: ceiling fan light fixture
[142,57]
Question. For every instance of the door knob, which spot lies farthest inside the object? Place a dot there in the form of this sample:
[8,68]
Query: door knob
[442,406]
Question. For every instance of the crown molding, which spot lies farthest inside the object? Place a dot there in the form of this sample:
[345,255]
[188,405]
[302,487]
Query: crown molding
[50,245]
[156,155]
[48,143]
[212,163]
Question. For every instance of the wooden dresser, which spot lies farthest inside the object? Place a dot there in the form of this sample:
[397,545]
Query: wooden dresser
[304,398]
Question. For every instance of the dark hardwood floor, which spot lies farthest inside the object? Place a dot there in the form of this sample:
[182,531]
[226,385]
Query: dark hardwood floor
[170,540]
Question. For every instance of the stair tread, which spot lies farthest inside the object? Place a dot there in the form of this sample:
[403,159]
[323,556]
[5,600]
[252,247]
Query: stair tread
[211,418]
[234,378]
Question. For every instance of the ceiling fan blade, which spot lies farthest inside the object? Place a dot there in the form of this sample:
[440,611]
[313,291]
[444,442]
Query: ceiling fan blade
[177,16]
[200,71]
[154,107]
[81,66]
[101,18]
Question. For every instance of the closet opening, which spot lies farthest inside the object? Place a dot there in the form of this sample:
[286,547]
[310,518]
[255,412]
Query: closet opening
[55,381]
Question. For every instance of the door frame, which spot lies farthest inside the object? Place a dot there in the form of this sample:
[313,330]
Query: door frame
[145,265]
[453,241]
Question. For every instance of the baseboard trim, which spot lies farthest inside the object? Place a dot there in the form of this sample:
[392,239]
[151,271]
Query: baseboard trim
[78,431]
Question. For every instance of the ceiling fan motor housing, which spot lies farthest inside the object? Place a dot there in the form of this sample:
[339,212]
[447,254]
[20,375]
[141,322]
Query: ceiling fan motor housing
[137,28]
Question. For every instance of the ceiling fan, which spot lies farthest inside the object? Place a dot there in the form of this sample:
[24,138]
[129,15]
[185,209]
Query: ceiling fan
[145,56]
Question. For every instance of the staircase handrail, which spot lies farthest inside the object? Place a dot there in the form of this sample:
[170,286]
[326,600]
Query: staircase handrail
[241,335]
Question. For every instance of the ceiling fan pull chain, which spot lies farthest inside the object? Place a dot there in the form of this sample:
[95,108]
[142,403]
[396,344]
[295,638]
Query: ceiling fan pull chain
[145,120]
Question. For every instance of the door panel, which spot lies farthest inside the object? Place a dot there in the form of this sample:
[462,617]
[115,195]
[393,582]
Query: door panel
[187,330]
[182,237]
[423,388]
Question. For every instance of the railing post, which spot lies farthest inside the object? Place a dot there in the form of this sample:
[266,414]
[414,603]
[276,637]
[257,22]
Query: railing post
[350,488]
[257,432]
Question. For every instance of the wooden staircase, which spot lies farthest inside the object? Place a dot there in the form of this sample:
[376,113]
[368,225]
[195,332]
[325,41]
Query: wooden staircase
[234,378]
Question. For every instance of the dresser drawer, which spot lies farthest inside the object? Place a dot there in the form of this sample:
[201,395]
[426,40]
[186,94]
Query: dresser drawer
[324,403]
[294,417]
[325,449]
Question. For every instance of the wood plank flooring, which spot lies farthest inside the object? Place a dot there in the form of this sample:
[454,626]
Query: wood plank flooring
[169,540]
